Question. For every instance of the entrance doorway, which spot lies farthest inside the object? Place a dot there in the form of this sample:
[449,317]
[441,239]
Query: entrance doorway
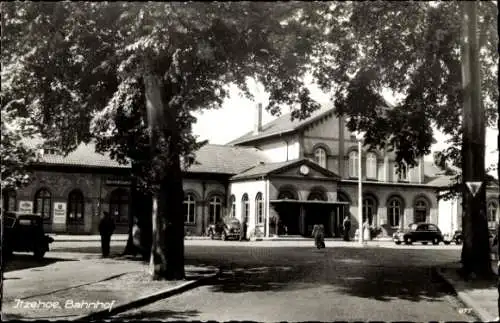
[289,217]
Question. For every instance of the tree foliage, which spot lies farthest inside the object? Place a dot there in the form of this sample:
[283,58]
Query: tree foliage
[130,74]
[413,49]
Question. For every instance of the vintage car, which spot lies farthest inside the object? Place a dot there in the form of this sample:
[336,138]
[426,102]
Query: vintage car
[419,232]
[227,227]
[457,237]
[24,233]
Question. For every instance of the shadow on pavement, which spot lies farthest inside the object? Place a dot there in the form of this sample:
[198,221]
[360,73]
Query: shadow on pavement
[358,273]
[21,261]
[164,314]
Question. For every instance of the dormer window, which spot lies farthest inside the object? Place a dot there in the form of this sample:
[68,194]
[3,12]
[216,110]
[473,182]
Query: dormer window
[320,157]
[49,151]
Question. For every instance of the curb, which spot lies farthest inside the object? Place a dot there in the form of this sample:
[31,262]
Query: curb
[103,314]
[482,314]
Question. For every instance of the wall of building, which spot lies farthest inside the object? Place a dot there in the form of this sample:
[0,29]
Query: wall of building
[252,188]
[281,148]
[203,191]
[450,211]
[96,190]
[382,194]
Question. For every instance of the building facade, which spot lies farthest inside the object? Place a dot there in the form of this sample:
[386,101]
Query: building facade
[280,178]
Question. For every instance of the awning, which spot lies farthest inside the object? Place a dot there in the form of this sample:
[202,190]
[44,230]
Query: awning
[308,202]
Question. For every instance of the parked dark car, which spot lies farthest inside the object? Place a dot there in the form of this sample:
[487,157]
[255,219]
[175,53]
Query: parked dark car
[228,227]
[24,233]
[419,232]
[457,237]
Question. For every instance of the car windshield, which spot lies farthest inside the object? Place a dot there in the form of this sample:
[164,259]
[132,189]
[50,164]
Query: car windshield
[413,226]
[9,221]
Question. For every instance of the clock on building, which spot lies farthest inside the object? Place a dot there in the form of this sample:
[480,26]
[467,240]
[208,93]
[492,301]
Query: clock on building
[304,170]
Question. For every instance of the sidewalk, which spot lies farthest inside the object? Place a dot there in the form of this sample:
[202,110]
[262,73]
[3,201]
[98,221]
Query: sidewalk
[478,296]
[74,286]
[124,237]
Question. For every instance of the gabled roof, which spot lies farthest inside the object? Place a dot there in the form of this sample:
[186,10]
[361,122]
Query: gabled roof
[226,159]
[83,156]
[283,125]
[209,158]
[274,168]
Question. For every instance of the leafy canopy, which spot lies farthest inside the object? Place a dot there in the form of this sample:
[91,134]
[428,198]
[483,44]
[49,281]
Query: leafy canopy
[76,70]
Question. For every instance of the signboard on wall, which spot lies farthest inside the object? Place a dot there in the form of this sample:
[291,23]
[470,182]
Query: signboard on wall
[25,207]
[118,181]
[59,213]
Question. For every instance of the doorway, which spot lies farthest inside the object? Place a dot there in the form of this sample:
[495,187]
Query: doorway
[288,223]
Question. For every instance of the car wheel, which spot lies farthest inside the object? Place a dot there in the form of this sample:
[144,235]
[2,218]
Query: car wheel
[408,240]
[398,242]
[223,236]
[458,241]
[435,241]
[424,242]
[446,242]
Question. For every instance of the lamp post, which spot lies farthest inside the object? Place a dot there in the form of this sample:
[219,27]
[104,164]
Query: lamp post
[359,138]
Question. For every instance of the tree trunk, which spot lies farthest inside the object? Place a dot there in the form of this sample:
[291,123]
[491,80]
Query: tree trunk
[140,211]
[475,250]
[167,252]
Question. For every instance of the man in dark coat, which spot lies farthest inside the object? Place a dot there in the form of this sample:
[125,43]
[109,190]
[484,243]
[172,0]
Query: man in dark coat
[106,229]
[347,227]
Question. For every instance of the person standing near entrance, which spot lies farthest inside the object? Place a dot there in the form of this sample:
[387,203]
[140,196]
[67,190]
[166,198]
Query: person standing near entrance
[347,227]
[106,229]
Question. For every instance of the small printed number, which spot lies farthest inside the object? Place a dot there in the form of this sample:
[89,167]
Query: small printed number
[465,310]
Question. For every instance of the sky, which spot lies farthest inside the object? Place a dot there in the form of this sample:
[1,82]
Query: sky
[237,114]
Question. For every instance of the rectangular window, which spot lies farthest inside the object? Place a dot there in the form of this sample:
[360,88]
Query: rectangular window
[403,174]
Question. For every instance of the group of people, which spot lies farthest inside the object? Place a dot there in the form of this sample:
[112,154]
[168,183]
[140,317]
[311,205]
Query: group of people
[319,232]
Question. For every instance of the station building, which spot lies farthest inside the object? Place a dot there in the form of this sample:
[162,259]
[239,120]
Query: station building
[283,174]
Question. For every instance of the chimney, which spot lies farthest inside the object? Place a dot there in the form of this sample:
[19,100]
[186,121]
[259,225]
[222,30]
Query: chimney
[258,119]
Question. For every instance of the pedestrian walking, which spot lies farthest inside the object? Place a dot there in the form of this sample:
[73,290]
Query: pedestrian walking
[106,229]
[346,227]
[319,235]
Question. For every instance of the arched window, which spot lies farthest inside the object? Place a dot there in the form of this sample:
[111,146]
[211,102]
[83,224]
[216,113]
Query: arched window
[215,209]
[320,157]
[286,195]
[316,196]
[233,206]
[369,209]
[371,165]
[245,208]
[259,208]
[76,207]
[394,211]
[43,203]
[189,208]
[118,205]
[353,164]
[9,198]
[420,210]
[492,214]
